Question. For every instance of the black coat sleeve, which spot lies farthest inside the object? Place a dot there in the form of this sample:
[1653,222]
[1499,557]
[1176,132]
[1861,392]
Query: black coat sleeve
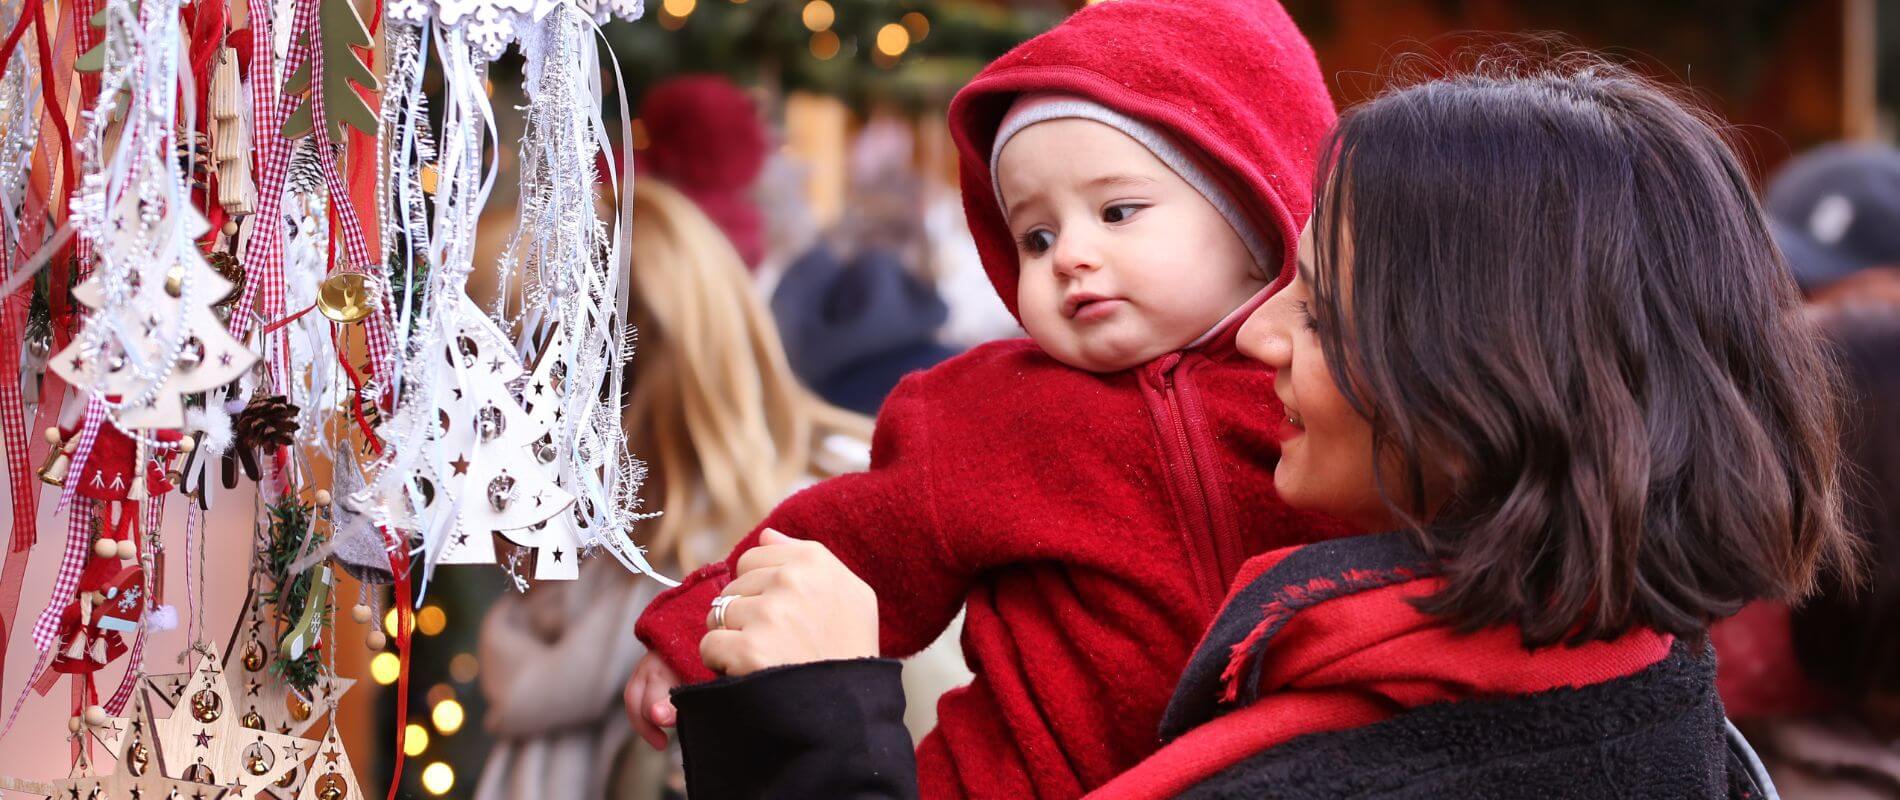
[824,729]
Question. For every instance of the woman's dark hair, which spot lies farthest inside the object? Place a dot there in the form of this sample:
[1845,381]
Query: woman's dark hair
[1847,639]
[1557,282]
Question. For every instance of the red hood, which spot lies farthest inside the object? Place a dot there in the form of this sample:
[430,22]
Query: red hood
[1233,77]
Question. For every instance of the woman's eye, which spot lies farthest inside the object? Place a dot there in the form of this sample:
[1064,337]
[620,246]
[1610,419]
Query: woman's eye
[1036,242]
[1306,316]
[1120,213]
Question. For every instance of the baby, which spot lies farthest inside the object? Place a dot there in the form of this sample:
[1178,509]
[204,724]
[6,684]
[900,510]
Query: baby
[1135,179]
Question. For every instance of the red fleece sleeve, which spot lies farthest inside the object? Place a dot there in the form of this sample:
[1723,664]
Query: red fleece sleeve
[882,523]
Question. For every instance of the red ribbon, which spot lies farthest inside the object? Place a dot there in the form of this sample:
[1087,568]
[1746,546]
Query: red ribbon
[399,564]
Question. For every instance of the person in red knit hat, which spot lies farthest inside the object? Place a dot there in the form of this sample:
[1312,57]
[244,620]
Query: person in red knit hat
[1089,493]
[705,138]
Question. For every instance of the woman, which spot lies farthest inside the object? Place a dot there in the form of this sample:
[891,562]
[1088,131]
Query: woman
[728,432]
[1541,331]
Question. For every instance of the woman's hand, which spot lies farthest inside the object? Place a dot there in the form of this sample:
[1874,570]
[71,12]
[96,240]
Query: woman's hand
[648,699]
[793,603]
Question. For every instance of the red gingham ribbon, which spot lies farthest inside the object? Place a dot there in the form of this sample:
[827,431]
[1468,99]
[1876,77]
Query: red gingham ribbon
[25,500]
[78,530]
[355,243]
[264,252]
[264,255]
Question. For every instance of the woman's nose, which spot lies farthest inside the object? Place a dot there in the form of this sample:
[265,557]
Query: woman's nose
[1263,337]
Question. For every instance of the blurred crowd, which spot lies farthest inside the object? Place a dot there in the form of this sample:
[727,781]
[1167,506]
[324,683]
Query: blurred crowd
[767,343]
[1817,687]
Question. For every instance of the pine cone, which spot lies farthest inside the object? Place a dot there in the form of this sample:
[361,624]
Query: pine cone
[268,422]
[227,267]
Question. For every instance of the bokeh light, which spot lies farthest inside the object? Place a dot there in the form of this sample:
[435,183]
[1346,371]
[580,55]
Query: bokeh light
[385,668]
[447,716]
[438,778]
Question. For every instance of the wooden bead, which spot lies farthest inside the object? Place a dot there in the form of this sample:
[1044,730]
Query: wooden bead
[52,436]
[376,640]
[75,724]
[96,716]
[105,548]
[362,614]
[230,228]
[323,499]
[187,444]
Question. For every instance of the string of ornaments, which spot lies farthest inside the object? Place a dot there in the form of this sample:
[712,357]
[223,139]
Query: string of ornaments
[235,284]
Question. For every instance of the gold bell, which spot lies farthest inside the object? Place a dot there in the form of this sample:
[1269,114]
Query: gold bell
[53,472]
[331,787]
[298,707]
[346,297]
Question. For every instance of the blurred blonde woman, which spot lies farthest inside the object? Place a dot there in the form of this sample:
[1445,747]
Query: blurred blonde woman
[726,432]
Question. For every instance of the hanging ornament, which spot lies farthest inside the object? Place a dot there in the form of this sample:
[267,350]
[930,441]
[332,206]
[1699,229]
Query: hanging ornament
[230,145]
[135,777]
[205,741]
[571,260]
[264,701]
[153,337]
[345,298]
[340,31]
[357,546]
[331,776]
[265,424]
[484,448]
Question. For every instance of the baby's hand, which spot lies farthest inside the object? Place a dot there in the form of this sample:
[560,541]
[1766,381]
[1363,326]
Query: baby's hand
[649,703]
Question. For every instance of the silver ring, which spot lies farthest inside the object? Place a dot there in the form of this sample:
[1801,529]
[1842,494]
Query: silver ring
[719,610]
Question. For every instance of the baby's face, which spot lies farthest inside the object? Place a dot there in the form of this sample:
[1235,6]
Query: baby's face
[1122,261]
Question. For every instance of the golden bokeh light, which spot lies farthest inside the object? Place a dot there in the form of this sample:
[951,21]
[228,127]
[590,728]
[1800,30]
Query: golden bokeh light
[917,24]
[431,620]
[415,739]
[447,716]
[385,668]
[825,45]
[463,667]
[893,40]
[438,778]
[818,15]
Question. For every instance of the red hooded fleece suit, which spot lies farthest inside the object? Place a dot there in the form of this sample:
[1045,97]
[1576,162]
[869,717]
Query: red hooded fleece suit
[1091,523]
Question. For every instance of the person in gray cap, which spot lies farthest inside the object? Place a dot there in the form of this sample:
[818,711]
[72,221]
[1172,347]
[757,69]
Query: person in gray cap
[1835,211]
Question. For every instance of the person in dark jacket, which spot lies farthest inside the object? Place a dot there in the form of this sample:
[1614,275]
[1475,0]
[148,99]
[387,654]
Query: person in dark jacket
[1541,330]
[853,329]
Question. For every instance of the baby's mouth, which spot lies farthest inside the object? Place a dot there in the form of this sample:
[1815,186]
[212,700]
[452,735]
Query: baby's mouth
[1074,304]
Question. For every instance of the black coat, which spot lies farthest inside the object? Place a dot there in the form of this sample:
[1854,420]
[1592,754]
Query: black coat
[835,729]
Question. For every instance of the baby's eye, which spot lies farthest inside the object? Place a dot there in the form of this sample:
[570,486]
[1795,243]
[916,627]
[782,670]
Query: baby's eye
[1036,242]
[1120,212]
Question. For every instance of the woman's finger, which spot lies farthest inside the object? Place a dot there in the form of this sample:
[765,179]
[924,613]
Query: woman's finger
[741,611]
[751,583]
[720,650]
[771,555]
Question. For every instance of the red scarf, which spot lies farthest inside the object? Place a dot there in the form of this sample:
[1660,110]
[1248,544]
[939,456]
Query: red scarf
[1350,650]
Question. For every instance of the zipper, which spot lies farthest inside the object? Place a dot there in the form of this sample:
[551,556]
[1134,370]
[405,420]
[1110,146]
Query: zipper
[1178,416]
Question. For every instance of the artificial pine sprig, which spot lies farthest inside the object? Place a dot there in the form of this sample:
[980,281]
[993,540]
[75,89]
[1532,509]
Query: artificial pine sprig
[289,524]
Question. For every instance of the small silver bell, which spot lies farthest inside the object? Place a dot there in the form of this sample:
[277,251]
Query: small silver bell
[192,354]
[544,449]
[491,423]
[501,492]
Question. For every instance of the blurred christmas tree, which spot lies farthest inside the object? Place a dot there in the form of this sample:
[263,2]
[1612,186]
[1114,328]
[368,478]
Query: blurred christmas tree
[913,55]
